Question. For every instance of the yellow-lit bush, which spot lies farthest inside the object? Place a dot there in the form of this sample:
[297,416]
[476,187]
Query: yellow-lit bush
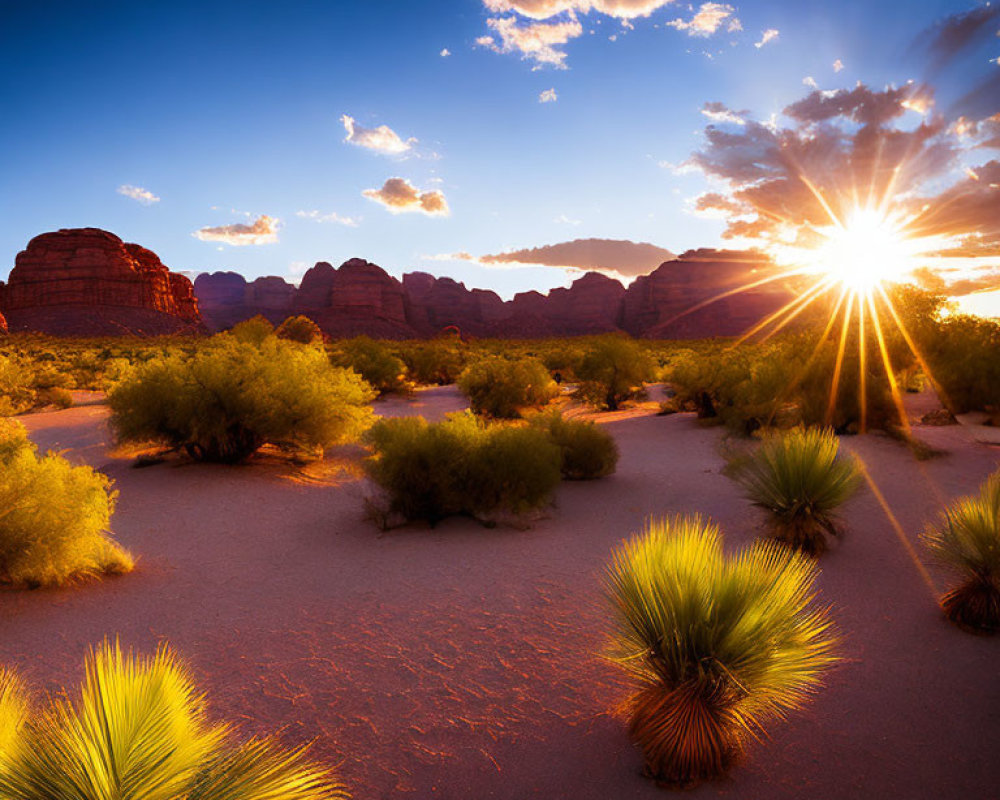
[438,362]
[588,451]
[613,371]
[461,466]
[16,386]
[501,388]
[138,728]
[233,396]
[299,329]
[374,362]
[53,517]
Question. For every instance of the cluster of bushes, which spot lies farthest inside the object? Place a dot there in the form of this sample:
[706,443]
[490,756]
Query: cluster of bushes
[464,465]
[137,728]
[375,362]
[54,517]
[236,393]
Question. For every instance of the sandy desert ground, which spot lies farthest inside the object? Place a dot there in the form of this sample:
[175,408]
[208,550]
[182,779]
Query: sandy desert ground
[462,662]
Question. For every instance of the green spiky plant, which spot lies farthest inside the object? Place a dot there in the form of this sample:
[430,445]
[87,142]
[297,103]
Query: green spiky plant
[718,647]
[967,540]
[797,477]
[138,731]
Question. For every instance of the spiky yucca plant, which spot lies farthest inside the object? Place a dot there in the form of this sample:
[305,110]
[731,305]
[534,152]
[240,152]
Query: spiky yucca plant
[138,731]
[718,646]
[967,539]
[797,476]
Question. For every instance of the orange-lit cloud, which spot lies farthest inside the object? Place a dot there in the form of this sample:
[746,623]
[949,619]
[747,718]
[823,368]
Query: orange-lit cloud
[544,9]
[399,196]
[263,230]
[619,257]
[382,139]
[535,41]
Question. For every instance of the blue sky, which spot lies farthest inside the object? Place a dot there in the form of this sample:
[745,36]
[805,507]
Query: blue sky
[226,112]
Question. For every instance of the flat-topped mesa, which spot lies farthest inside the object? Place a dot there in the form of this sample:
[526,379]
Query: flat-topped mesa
[226,298]
[86,281]
[693,297]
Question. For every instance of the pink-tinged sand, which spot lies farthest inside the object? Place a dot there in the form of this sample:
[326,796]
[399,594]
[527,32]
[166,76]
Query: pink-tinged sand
[461,662]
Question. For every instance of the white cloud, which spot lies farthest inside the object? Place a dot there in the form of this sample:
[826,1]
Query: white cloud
[382,139]
[398,195]
[548,96]
[562,219]
[544,9]
[536,41]
[445,53]
[707,21]
[769,35]
[719,112]
[838,65]
[333,216]
[810,81]
[264,230]
[137,193]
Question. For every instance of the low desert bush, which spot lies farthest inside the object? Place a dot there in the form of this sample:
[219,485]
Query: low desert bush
[963,353]
[436,363]
[718,647]
[233,396]
[501,388]
[253,331]
[374,362]
[588,451]
[796,476]
[299,329]
[137,728]
[461,466]
[53,517]
[614,370]
[17,392]
[966,539]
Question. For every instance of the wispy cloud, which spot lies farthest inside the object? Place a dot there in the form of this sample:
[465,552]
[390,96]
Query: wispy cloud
[544,9]
[767,36]
[333,216]
[398,195]
[382,139]
[707,20]
[720,112]
[838,65]
[137,193]
[445,53]
[548,96]
[263,230]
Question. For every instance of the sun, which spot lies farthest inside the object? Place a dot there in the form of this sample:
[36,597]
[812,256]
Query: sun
[867,250]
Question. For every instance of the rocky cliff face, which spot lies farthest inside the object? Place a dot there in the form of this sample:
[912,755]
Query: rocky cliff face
[3,323]
[86,281]
[361,298]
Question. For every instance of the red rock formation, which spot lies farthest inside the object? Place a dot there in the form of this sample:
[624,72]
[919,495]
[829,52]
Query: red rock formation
[687,298]
[3,324]
[436,303]
[359,298]
[85,281]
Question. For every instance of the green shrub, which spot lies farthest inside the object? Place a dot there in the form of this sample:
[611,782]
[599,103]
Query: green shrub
[460,466]
[299,329]
[613,371]
[56,396]
[963,353]
[374,362]
[437,362]
[797,477]
[718,647]
[967,540]
[138,729]
[16,387]
[233,396]
[497,387]
[588,451]
[54,518]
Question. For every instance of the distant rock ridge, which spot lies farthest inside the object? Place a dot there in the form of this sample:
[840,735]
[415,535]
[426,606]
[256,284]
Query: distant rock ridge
[87,281]
[687,297]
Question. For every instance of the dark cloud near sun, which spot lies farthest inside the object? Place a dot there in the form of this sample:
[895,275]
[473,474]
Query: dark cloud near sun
[620,256]
[954,34]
